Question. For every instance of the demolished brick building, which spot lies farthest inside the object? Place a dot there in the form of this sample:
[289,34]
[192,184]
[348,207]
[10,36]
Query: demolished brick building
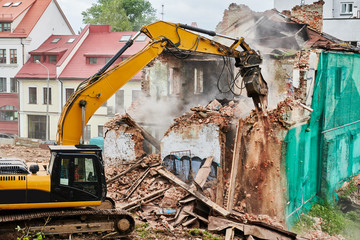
[273,165]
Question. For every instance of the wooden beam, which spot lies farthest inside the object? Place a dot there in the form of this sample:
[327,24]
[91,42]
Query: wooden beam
[165,173]
[220,187]
[151,195]
[137,164]
[229,235]
[197,216]
[235,165]
[204,172]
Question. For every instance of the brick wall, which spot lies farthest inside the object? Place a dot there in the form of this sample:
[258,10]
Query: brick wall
[311,14]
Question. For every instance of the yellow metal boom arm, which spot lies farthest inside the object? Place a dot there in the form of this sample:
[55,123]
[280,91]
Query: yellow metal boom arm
[93,92]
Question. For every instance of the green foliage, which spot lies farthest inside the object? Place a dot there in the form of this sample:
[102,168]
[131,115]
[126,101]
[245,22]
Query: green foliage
[122,15]
[205,235]
[333,221]
[306,223]
[30,235]
[142,230]
[333,218]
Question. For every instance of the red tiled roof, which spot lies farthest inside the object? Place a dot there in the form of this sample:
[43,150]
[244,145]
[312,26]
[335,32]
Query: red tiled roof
[10,13]
[100,42]
[60,46]
[34,10]
[34,70]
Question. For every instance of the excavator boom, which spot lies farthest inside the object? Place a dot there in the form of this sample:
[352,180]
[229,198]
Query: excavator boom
[93,92]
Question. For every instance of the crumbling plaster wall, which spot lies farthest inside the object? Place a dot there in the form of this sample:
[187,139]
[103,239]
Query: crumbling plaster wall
[119,146]
[121,143]
[261,184]
[202,140]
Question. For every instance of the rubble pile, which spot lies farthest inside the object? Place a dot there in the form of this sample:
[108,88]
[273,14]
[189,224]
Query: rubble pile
[214,112]
[286,114]
[170,205]
[118,189]
[34,155]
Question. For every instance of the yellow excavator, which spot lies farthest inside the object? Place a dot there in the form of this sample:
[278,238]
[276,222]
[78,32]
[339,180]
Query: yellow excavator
[71,190]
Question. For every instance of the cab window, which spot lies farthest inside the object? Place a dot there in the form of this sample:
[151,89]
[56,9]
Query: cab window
[64,171]
[84,170]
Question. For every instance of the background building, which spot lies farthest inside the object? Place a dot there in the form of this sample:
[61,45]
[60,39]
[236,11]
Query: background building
[71,59]
[24,25]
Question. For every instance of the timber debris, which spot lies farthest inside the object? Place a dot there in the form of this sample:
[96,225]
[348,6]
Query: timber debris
[166,202]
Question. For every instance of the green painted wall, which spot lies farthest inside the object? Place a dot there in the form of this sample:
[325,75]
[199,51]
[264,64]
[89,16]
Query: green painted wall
[322,154]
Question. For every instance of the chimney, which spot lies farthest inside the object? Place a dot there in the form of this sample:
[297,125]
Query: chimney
[311,14]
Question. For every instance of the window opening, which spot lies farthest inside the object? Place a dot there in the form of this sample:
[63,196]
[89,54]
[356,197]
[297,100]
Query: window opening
[141,38]
[16,4]
[347,8]
[32,95]
[125,38]
[55,40]
[2,84]
[45,95]
[7,4]
[2,55]
[13,55]
[71,40]
[64,171]
[52,58]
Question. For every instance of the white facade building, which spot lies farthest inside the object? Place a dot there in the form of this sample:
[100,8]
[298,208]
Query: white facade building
[24,25]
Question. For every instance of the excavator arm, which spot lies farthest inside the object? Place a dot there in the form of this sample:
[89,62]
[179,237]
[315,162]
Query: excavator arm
[93,92]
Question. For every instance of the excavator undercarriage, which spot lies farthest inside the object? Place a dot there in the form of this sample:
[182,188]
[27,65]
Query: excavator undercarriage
[61,223]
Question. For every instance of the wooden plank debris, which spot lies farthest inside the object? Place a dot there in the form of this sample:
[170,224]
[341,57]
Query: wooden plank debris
[264,233]
[218,224]
[165,173]
[189,222]
[179,218]
[220,187]
[235,165]
[137,183]
[204,172]
[229,235]
[151,195]
[197,216]
[136,165]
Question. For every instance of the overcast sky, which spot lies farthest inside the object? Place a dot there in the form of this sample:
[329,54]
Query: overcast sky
[206,13]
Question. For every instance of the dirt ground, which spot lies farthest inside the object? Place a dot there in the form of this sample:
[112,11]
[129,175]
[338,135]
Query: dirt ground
[29,154]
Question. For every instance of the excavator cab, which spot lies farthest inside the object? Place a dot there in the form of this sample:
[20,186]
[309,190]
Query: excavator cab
[77,173]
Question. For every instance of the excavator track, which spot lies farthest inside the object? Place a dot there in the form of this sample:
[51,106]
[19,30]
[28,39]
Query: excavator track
[64,222]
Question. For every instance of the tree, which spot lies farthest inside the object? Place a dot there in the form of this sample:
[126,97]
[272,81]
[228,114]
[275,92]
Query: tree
[122,15]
